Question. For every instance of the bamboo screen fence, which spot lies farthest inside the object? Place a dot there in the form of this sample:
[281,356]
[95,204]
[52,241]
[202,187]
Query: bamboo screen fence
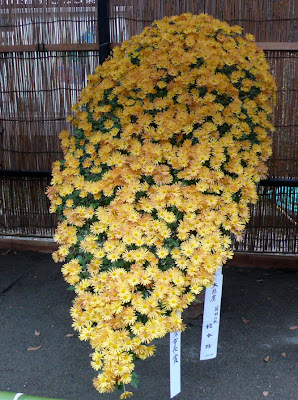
[47,49]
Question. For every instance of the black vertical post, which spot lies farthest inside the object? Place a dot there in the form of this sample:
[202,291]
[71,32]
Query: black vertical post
[103,29]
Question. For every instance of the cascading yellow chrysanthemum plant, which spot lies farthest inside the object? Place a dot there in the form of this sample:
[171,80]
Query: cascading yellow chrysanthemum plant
[170,139]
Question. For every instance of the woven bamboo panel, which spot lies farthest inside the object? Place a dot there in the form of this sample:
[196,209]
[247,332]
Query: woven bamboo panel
[268,20]
[273,226]
[24,207]
[27,22]
[284,161]
[37,100]
[38,90]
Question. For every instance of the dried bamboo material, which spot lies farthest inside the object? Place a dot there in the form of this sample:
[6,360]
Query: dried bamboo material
[267,20]
[273,226]
[38,88]
[49,22]
[284,161]
[24,207]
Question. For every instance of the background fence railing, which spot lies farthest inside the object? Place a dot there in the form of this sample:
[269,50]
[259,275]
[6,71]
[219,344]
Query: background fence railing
[47,49]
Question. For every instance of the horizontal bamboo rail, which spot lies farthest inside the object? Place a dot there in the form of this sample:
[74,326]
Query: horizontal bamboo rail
[41,47]
[286,46]
[287,182]
[49,47]
[241,259]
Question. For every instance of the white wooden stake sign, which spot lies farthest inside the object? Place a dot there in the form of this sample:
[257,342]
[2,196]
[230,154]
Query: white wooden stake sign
[211,318]
[210,330]
[175,363]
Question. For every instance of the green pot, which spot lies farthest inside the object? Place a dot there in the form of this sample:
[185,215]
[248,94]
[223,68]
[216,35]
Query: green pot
[21,396]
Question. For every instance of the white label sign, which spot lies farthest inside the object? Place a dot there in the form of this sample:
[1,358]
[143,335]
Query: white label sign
[175,363]
[211,318]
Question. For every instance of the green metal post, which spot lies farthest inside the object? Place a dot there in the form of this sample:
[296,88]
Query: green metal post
[21,396]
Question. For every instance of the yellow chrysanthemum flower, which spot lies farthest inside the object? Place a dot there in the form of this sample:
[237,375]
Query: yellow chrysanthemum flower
[145,202]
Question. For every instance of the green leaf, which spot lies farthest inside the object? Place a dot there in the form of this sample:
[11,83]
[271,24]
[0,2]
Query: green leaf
[119,386]
[81,260]
[89,257]
[135,380]
[197,301]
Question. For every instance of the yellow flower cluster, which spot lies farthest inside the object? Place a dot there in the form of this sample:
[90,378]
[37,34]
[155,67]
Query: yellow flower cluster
[170,139]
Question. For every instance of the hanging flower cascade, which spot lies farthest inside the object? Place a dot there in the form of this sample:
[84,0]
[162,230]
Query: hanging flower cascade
[170,139]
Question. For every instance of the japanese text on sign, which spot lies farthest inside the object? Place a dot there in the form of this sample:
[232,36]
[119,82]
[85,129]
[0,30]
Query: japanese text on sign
[175,363]
[211,319]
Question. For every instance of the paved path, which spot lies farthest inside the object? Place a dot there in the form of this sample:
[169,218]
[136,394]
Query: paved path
[258,312]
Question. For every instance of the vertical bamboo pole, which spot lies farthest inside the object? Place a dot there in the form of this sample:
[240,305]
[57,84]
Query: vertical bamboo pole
[103,29]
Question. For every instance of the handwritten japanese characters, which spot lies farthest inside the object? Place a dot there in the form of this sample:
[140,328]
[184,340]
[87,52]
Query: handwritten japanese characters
[211,319]
[175,363]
